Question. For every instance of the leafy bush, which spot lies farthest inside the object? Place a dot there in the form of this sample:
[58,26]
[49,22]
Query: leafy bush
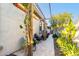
[63,24]
[67,48]
[55,36]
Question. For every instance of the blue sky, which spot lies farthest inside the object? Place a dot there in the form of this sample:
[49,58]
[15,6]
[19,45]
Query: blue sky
[57,8]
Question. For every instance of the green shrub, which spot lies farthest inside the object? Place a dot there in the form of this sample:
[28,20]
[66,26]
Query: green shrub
[63,23]
[55,36]
[67,48]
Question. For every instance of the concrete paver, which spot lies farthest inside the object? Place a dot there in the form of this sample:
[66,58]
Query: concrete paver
[45,48]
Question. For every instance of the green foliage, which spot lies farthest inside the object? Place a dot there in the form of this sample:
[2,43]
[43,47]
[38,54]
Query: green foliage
[25,19]
[21,26]
[67,48]
[69,31]
[25,5]
[60,20]
[55,36]
[63,24]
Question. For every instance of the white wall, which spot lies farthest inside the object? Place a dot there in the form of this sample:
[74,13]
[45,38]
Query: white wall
[10,33]
[42,25]
[36,24]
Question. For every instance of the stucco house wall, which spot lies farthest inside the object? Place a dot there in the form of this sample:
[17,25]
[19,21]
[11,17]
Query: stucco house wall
[36,28]
[11,18]
[10,32]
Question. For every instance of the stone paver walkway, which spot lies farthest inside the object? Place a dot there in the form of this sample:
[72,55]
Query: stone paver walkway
[45,48]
